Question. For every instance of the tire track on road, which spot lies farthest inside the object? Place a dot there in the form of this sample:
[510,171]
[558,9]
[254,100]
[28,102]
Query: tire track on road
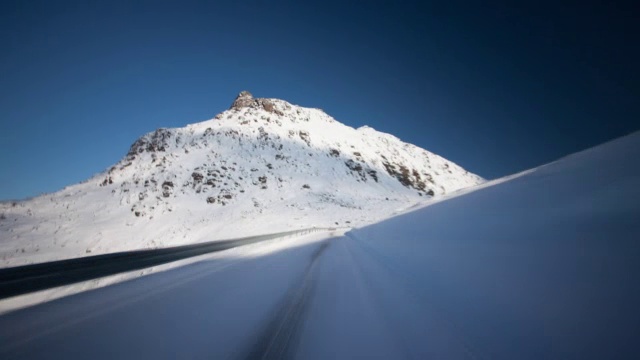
[279,338]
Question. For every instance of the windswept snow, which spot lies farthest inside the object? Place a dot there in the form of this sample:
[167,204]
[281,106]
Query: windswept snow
[543,265]
[263,166]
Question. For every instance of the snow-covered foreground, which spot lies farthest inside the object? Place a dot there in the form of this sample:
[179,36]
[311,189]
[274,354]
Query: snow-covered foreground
[215,308]
[542,265]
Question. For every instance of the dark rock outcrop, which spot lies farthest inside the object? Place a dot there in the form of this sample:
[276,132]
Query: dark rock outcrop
[154,142]
[245,99]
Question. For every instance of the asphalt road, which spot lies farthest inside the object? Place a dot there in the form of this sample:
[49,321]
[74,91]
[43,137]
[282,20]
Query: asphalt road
[29,278]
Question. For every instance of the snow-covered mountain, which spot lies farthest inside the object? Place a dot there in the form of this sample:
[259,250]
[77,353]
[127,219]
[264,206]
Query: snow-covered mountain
[262,166]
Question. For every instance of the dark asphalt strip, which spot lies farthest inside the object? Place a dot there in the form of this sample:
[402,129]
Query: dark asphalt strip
[29,278]
[278,339]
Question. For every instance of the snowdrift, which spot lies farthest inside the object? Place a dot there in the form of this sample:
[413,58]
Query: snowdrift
[539,265]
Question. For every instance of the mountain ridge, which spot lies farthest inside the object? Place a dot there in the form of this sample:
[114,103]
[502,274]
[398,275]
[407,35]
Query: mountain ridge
[263,165]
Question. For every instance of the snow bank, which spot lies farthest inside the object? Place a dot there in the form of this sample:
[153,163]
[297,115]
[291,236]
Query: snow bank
[542,265]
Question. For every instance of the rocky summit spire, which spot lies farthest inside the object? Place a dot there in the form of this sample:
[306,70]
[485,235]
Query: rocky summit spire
[243,99]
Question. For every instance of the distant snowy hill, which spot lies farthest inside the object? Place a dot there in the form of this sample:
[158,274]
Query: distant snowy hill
[262,166]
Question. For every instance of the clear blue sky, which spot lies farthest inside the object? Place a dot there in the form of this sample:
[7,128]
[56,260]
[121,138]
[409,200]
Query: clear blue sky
[495,89]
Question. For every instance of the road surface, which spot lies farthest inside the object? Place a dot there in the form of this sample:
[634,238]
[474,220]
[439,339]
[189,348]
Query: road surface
[308,299]
[29,278]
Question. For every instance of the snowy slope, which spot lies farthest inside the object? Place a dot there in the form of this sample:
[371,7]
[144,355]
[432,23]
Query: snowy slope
[541,265]
[262,166]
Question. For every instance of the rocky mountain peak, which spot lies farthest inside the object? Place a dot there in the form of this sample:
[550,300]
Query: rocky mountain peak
[246,100]
[243,99]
